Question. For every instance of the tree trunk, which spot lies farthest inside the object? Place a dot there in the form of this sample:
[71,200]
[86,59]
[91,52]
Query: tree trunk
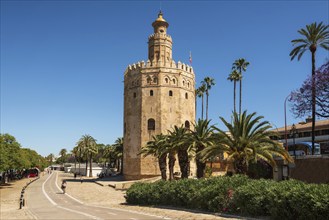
[121,171]
[87,166]
[240,103]
[234,97]
[163,166]
[207,95]
[172,160]
[202,106]
[91,166]
[313,101]
[200,167]
[183,163]
[240,166]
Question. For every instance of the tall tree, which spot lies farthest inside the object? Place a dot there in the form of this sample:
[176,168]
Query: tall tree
[241,66]
[200,138]
[118,151]
[314,36]
[90,148]
[62,154]
[302,97]
[157,147]
[200,93]
[208,82]
[248,139]
[235,77]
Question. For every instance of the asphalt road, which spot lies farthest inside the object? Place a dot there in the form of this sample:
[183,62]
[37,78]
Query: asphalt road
[45,200]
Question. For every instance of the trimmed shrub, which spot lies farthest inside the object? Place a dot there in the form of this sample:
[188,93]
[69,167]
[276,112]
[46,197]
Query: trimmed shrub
[237,194]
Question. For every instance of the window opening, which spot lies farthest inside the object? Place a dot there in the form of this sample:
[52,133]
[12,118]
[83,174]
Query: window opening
[151,124]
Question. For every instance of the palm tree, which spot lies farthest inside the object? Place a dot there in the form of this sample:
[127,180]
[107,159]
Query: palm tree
[118,152]
[315,35]
[200,138]
[90,148]
[235,77]
[241,66]
[200,93]
[75,151]
[248,139]
[157,148]
[208,82]
[178,144]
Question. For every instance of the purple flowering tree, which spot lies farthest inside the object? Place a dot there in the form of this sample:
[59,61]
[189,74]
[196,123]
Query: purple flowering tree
[301,98]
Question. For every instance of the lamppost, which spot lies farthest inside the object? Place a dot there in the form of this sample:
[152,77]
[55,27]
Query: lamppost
[293,133]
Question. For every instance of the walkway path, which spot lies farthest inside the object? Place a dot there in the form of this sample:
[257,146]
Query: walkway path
[47,201]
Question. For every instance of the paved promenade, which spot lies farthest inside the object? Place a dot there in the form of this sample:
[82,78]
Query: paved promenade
[90,193]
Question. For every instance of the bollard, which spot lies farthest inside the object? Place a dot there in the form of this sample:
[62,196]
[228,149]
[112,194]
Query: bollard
[21,204]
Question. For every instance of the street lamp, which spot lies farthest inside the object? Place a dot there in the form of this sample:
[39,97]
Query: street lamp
[293,133]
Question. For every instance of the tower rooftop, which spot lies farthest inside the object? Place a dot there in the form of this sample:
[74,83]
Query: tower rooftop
[160,21]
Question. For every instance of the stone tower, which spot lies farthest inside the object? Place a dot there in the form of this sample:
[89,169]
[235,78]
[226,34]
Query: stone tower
[158,95]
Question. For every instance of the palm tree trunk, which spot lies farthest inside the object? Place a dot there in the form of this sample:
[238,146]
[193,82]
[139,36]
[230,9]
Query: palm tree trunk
[202,106]
[234,96]
[172,160]
[313,101]
[91,166]
[121,168]
[200,167]
[163,166]
[87,166]
[240,166]
[183,163]
[207,94]
[240,104]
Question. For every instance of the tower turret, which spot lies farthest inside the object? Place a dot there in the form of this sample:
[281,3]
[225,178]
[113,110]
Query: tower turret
[160,43]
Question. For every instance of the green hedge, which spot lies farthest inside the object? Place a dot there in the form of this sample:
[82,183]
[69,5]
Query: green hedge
[237,195]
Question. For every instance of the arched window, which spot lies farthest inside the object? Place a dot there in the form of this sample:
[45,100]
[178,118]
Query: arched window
[151,124]
[170,93]
[148,80]
[183,83]
[186,95]
[187,124]
[188,85]
[174,81]
[166,80]
[151,92]
[135,94]
[155,80]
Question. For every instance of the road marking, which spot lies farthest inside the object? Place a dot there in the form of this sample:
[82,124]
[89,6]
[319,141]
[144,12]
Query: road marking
[111,213]
[55,204]
[44,192]
[82,213]
[140,213]
[67,193]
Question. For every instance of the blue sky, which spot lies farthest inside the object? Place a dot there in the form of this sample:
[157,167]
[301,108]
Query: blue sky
[62,62]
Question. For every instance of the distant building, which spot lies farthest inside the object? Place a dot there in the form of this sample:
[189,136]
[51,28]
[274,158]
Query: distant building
[304,133]
[158,94]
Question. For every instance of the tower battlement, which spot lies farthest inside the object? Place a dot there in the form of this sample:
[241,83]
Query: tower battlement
[136,67]
[160,35]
